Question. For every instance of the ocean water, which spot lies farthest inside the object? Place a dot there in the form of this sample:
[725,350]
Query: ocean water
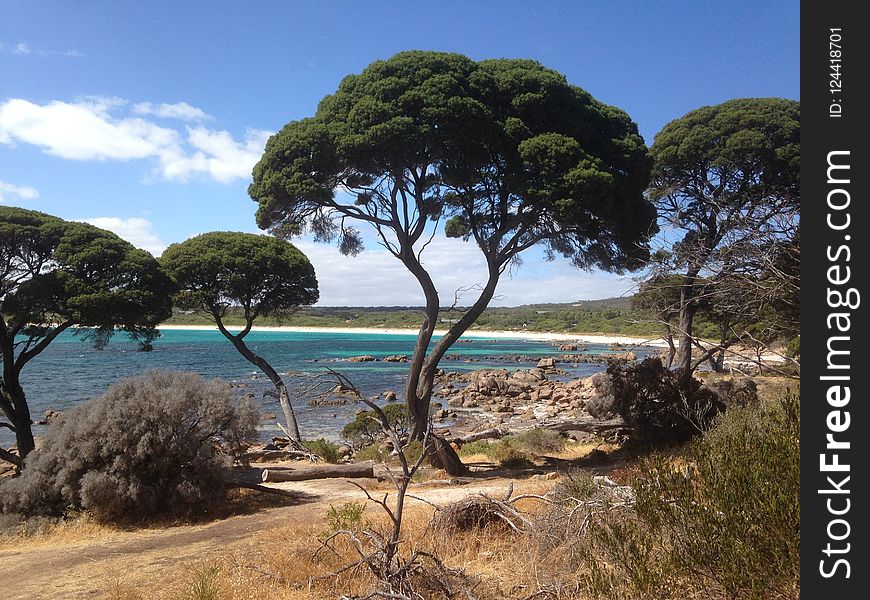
[70,370]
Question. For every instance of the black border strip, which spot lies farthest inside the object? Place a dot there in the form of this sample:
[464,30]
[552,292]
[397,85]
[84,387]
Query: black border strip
[834,107]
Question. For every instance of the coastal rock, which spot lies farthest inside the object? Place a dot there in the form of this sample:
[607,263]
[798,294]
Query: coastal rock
[361,358]
[546,363]
[396,358]
[597,391]
[390,396]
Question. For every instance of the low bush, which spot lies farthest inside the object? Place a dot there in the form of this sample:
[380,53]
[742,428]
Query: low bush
[347,517]
[325,449]
[365,429]
[726,523]
[659,405]
[734,392]
[152,445]
[538,440]
[510,457]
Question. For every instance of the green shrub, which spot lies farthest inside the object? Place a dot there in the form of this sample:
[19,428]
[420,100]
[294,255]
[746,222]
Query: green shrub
[153,444]
[478,447]
[726,524]
[538,441]
[347,517]
[659,405]
[325,449]
[365,429]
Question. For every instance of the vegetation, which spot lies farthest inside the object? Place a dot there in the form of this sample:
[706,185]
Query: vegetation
[325,449]
[726,524]
[55,276]
[259,275]
[365,430]
[152,445]
[727,177]
[505,152]
[660,406]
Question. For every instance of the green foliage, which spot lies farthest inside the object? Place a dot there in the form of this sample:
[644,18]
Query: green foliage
[365,429]
[569,170]
[325,449]
[58,274]
[659,405]
[727,524]
[478,447]
[726,178]
[58,271]
[153,444]
[347,517]
[538,440]
[262,275]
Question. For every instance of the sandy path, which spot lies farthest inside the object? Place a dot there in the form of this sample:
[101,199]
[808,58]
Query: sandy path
[86,569]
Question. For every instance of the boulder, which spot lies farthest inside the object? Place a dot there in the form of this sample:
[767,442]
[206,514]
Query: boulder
[361,358]
[396,358]
[600,401]
[390,396]
[546,363]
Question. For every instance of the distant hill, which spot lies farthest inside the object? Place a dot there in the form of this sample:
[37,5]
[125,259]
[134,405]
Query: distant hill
[608,316]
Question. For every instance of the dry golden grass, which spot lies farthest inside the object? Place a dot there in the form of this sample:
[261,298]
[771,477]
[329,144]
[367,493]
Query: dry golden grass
[290,561]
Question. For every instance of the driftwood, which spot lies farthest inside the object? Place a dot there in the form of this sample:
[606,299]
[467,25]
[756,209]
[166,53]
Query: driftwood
[586,424]
[254,476]
[350,470]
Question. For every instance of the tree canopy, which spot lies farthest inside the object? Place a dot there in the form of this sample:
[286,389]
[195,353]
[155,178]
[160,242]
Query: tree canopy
[503,152]
[728,178]
[261,275]
[57,274]
[506,151]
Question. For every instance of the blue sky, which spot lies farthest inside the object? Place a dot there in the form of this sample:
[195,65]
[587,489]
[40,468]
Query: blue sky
[146,117]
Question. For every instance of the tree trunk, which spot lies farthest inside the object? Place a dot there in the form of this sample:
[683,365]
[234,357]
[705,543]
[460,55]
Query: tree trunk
[272,374]
[672,349]
[287,409]
[20,418]
[688,308]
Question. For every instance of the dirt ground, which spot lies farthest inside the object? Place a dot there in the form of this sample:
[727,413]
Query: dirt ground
[65,568]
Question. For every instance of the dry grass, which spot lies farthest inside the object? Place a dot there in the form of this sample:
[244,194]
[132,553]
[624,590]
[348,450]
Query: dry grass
[290,562]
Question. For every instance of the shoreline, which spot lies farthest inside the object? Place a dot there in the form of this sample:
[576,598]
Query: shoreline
[476,334]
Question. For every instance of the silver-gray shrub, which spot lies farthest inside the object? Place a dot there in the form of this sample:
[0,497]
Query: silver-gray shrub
[156,444]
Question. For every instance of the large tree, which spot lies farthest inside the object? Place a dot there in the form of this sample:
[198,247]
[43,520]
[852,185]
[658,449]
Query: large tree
[56,275]
[261,275]
[726,182]
[505,153]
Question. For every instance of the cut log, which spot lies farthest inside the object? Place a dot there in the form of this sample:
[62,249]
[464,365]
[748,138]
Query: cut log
[245,476]
[350,470]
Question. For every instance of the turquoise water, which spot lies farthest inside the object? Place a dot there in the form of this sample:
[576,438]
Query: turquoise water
[70,371]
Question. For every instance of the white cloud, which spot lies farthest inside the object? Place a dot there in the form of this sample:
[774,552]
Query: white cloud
[12,193]
[22,48]
[91,129]
[83,131]
[179,110]
[139,232]
[376,278]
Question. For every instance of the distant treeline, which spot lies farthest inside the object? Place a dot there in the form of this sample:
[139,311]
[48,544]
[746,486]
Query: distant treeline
[610,316]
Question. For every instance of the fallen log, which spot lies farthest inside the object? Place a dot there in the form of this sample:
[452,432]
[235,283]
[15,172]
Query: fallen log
[322,471]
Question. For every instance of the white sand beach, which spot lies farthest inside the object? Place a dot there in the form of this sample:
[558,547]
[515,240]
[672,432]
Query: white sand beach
[473,334]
